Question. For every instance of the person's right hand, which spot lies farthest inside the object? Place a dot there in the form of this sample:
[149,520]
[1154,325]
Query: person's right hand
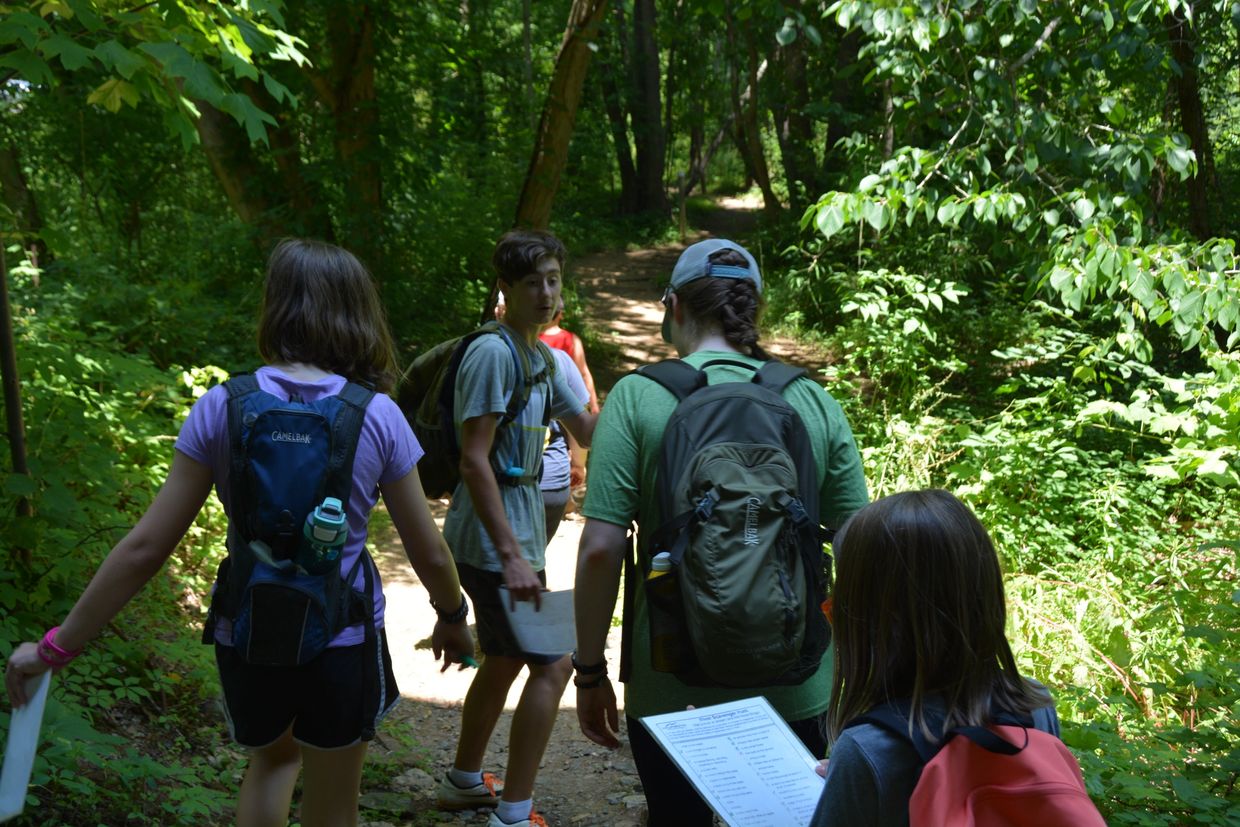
[522,582]
[598,716]
[821,769]
[23,665]
[454,642]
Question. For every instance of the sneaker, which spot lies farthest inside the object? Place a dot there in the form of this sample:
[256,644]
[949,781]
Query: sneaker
[484,794]
[535,820]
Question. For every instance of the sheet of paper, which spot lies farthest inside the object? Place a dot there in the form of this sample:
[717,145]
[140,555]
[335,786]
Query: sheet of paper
[744,761]
[24,725]
[552,630]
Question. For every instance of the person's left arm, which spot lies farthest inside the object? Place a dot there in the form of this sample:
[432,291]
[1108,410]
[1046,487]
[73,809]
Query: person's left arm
[128,567]
[600,559]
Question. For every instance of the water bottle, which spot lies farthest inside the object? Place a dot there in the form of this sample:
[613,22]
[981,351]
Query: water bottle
[667,633]
[326,530]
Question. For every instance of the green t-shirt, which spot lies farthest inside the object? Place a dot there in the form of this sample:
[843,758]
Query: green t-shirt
[623,466]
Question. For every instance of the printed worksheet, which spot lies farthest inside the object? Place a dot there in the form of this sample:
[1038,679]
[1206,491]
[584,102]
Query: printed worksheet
[744,761]
[24,726]
[552,630]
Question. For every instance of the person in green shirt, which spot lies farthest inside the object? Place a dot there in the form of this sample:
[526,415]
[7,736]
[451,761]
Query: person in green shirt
[711,310]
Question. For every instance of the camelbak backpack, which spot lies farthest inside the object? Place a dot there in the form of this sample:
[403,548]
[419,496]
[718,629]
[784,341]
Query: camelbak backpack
[1010,774]
[281,584]
[427,397]
[736,600]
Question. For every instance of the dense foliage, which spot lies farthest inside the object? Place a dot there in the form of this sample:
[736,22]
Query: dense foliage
[1008,221]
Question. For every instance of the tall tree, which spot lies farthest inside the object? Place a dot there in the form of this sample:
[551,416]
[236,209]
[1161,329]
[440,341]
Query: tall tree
[645,108]
[1186,88]
[555,127]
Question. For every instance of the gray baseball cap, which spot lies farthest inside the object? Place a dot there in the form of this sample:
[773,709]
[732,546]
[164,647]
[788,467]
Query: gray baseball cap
[694,263]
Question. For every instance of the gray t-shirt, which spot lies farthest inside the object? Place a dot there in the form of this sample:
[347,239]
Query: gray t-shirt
[488,377]
[872,773]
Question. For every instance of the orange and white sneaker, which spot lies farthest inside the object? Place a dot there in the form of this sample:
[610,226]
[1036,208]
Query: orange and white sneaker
[484,794]
[534,819]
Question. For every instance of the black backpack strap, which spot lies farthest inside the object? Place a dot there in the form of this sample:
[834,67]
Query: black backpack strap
[896,721]
[345,431]
[777,376]
[632,582]
[239,387]
[677,376]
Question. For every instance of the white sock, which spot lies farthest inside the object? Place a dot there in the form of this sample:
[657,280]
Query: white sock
[511,812]
[463,779]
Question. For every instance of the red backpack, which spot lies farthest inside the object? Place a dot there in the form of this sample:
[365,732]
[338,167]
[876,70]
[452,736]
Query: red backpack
[1006,775]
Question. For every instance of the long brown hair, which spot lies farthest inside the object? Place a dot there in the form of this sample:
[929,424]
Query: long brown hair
[321,307]
[734,305]
[919,611]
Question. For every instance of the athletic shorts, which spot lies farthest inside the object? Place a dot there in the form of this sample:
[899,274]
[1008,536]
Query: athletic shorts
[495,635]
[325,701]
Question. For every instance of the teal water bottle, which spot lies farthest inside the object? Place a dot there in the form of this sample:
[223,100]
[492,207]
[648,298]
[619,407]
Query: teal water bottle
[326,530]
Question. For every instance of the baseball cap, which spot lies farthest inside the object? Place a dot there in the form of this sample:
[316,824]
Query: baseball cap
[694,263]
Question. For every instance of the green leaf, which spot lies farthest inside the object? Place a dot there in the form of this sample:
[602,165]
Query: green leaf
[1051,217]
[788,33]
[24,27]
[869,182]
[830,220]
[1084,209]
[115,56]
[874,214]
[910,325]
[72,56]
[29,66]
[113,93]
[19,485]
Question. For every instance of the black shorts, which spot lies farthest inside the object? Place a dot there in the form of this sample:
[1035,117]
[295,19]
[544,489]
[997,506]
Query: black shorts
[323,700]
[495,635]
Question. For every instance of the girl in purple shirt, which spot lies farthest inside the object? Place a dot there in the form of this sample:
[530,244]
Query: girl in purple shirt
[321,324]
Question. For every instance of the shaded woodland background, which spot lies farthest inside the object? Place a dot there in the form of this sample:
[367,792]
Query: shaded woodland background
[1012,223]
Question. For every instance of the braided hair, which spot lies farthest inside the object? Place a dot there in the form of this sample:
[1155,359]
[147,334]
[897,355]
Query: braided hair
[734,305]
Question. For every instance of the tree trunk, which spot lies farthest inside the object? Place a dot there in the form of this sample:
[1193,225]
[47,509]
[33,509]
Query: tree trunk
[244,180]
[748,136]
[792,126]
[351,35]
[697,170]
[645,108]
[528,63]
[613,104]
[19,198]
[12,396]
[846,96]
[1186,83]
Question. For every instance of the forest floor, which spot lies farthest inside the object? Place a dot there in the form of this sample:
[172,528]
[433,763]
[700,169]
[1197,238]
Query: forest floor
[579,783]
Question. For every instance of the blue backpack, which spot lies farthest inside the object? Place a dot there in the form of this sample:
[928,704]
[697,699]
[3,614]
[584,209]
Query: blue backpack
[281,583]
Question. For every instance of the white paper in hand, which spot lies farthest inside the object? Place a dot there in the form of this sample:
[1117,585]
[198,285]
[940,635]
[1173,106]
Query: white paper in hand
[549,631]
[24,725]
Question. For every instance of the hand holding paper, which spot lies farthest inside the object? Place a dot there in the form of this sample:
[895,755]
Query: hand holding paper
[19,753]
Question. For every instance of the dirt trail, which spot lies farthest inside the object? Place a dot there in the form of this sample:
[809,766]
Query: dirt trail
[579,783]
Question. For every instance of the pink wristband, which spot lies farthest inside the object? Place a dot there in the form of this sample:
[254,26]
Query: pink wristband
[52,654]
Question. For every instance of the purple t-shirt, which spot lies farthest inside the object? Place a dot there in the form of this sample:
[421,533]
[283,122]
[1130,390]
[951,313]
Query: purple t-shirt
[386,452]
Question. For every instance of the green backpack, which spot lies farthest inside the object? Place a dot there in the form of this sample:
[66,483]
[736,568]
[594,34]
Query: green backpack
[427,397]
[737,488]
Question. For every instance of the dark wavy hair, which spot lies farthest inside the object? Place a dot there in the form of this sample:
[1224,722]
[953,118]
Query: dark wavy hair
[919,610]
[321,307]
[518,253]
[733,305]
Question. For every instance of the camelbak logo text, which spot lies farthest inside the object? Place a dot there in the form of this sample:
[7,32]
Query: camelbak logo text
[289,436]
[751,520]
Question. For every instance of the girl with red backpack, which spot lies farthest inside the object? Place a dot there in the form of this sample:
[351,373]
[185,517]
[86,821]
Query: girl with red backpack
[930,721]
